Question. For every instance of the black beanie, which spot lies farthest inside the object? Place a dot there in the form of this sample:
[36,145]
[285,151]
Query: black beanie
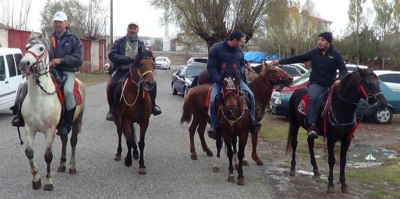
[327,36]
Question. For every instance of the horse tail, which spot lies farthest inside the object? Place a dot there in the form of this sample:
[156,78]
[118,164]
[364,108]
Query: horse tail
[292,119]
[187,109]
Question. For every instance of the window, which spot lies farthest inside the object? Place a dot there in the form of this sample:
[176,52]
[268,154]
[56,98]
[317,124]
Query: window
[11,65]
[18,58]
[392,78]
[2,68]
[192,72]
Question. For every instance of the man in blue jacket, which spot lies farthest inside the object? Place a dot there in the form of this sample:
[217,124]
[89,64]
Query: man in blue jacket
[325,61]
[228,52]
[66,56]
[122,54]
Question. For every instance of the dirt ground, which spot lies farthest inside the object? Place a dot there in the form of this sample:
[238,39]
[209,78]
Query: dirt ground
[303,185]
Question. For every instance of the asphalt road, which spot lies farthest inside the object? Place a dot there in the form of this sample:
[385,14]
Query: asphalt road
[170,171]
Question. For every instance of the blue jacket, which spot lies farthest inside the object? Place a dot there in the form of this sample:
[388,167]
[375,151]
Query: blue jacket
[323,66]
[70,50]
[222,53]
[117,53]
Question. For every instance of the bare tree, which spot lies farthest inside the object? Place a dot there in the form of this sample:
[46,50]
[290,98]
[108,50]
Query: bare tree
[158,44]
[10,15]
[214,20]
[356,19]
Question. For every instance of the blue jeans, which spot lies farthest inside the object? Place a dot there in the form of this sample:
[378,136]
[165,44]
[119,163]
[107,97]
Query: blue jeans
[216,89]
[314,91]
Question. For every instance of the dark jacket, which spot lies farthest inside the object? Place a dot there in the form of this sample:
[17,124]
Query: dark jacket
[117,53]
[69,49]
[323,66]
[222,53]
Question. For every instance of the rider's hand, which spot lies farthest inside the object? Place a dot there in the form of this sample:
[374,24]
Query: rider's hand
[337,82]
[55,62]
[275,62]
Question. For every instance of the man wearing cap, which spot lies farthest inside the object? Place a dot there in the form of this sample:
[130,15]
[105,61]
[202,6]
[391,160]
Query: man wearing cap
[122,54]
[325,61]
[228,52]
[66,56]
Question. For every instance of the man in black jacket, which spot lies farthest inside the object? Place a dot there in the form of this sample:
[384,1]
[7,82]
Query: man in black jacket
[325,61]
[66,56]
[228,52]
[122,54]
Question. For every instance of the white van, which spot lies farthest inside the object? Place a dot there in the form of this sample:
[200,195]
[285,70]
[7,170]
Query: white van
[11,79]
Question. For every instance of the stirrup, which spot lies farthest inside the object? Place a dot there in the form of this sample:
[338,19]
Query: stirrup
[312,132]
[156,110]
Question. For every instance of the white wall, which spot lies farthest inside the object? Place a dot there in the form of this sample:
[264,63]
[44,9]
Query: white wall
[94,57]
[4,38]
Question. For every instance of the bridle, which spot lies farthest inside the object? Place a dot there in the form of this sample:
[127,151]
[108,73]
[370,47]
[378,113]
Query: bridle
[365,92]
[272,80]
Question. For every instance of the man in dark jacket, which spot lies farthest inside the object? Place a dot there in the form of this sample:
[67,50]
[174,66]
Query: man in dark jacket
[66,56]
[122,54]
[228,52]
[325,61]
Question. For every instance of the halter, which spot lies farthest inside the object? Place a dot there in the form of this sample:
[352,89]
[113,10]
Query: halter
[39,60]
[365,92]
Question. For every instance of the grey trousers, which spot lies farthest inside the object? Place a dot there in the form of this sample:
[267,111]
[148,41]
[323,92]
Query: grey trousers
[69,90]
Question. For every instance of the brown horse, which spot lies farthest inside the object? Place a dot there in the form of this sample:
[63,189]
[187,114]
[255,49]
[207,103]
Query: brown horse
[135,107]
[195,100]
[339,120]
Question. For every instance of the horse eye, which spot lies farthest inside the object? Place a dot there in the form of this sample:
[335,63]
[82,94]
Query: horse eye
[41,48]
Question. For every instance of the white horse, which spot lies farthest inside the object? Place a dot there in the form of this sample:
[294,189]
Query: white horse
[41,109]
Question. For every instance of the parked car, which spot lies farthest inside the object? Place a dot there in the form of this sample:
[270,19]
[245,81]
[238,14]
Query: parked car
[279,102]
[11,79]
[301,67]
[199,60]
[163,63]
[182,79]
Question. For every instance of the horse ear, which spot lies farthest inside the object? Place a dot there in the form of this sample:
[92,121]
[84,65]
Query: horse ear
[150,49]
[44,34]
[32,34]
[140,50]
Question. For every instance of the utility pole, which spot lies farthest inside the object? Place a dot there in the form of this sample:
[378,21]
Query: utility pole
[111,23]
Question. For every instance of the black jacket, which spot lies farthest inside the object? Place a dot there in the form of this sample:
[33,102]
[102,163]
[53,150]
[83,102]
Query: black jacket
[70,50]
[117,53]
[222,53]
[323,66]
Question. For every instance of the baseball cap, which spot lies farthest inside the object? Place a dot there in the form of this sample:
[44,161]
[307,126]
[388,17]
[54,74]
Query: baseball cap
[133,23]
[60,16]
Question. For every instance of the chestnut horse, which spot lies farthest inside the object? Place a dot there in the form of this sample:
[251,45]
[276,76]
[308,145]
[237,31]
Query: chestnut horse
[135,107]
[195,100]
[338,122]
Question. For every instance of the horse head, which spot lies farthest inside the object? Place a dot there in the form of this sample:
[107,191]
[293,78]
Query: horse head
[145,64]
[36,59]
[230,81]
[276,76]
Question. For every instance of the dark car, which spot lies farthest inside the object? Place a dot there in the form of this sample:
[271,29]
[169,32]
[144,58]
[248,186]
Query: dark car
[182,79]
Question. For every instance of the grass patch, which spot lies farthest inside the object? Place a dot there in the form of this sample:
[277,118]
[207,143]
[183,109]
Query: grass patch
[90,79]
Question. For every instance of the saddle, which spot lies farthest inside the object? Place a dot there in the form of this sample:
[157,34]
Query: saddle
[59,84]
[321,105]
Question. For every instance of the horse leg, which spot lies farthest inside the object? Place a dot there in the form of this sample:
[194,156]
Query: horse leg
[331,162]
[235,157]
[231,176]
[127,129]
[218,141]
[192,131]
[63,158]
[312,156]
[200,130]
[117,123]
[292,140]
[254,156]
[76,127]
[48,157]
[36,182]
[242,146]
[143,128]
[343,155]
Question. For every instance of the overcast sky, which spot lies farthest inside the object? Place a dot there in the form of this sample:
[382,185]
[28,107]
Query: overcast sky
[148,19]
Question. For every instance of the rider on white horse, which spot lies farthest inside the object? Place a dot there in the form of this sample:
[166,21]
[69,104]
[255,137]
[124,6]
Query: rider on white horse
[66,55]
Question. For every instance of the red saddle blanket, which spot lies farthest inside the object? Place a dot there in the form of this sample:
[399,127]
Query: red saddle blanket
[77,94]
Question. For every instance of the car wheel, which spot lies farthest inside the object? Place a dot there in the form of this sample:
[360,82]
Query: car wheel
[174,92]
[384,116]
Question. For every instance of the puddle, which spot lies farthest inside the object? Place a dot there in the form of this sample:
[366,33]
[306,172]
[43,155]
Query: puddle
[363,155]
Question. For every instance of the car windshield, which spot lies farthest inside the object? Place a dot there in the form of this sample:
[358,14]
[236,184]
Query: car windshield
[291,70]
[161,59]
[192,72]
[201,60]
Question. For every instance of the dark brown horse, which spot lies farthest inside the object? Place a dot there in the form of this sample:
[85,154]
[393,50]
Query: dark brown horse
[195,106]
[339,121]
[135,107]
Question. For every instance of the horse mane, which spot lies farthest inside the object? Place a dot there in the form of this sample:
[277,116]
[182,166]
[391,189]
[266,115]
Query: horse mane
[140,56]
[41,37]
[356,76]
[228,72]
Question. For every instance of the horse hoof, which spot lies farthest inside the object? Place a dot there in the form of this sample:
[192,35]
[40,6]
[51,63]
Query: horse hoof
[260,162]
[209,153]
[72,171]
[331,190]
[48,187]
[36,185]
[245,162]
[240,181]
[215,169]
[345,190]
[292,172]
[117,158]
[142,171]
[127,164]
[316,173]
[193,156]
[231,178]
[61,169]
[135,156]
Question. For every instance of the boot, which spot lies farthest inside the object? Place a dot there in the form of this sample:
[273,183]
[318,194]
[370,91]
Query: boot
[312,132]
[68,117]
[18,121]
[255,126]
[211,133]
[156,110]
[110,116]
